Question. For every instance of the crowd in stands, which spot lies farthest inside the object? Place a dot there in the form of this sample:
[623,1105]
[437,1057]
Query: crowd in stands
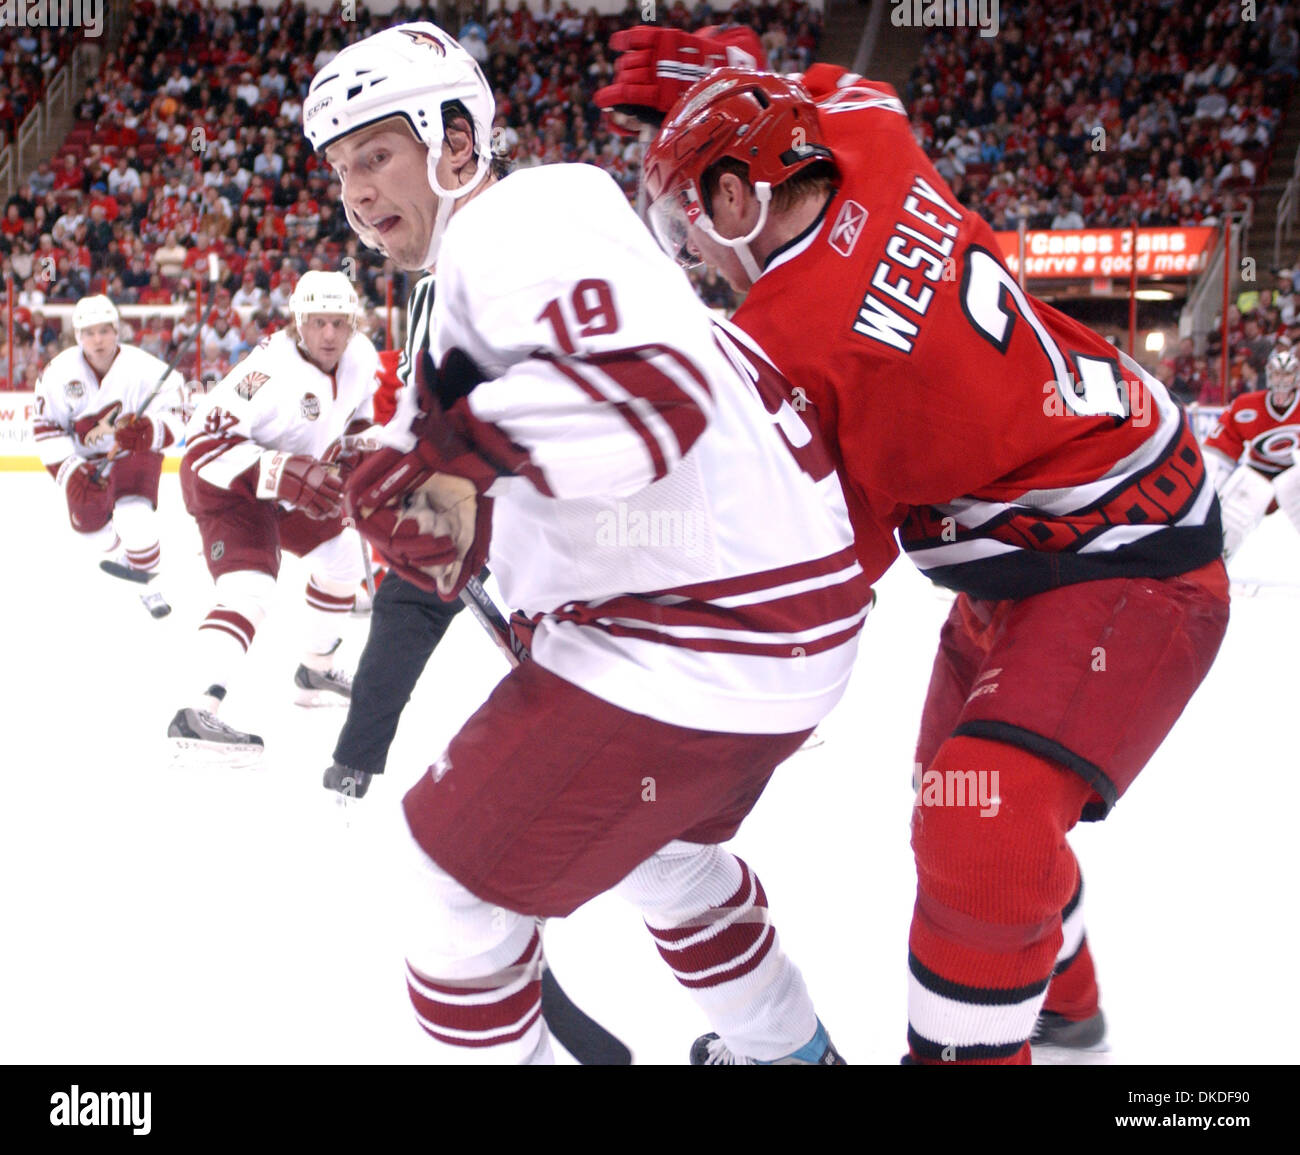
[1114,111]
[1257,322]
[189,143]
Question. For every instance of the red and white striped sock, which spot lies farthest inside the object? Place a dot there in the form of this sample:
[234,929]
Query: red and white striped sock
[1073,990]
[500,1009]
[708,915]
[146,559]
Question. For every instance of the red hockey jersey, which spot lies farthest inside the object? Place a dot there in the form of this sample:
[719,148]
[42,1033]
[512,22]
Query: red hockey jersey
[1016,449]
[1255,430]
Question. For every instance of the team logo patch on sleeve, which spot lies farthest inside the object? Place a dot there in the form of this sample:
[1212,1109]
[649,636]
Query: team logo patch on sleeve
[251,384]
[310,406]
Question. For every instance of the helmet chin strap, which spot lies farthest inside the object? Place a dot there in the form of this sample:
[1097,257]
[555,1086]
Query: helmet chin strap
[448,197]
[740,245]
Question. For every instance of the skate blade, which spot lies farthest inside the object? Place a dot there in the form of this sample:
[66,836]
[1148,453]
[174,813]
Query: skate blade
[193,752]
[126,573]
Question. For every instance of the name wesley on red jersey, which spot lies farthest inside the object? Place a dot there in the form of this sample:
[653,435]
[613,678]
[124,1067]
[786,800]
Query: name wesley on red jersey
[1015,449]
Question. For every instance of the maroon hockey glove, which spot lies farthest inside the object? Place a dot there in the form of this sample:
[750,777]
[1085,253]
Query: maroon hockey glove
[135,434]
[379,491]
[658,64]
[90,504]
[95,430]
[303,482]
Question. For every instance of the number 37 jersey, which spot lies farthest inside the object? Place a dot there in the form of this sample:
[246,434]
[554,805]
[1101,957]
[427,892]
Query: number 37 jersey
[1018,449]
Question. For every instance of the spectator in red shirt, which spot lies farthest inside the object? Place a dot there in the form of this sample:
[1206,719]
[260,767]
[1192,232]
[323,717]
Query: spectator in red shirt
[70,176]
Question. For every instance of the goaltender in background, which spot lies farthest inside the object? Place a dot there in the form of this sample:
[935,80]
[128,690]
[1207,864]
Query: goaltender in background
[86,14]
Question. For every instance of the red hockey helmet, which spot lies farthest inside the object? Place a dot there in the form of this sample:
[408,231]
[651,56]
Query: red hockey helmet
[762,120]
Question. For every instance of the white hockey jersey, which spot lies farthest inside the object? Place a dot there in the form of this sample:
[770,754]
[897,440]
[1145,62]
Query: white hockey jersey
[673,528]
[276,399]
[70,390]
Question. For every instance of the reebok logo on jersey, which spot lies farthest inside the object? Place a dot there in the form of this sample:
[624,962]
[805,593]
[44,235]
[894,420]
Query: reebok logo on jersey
[440,767]
[847,227]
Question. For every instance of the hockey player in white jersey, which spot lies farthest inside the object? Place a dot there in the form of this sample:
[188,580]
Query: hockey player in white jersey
[260,475]
[648,499]
[104,412]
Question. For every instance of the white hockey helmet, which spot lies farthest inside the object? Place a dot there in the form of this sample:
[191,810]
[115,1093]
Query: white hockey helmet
[97,310]
[1282,371]
[320,292]
[412,71]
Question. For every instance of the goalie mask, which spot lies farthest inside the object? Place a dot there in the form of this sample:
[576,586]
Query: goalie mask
[766,122]
[1282,372]
[412,72]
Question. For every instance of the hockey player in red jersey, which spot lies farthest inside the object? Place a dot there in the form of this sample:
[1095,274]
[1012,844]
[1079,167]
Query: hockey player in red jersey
[648,498]
[1028,466]
[1253,451]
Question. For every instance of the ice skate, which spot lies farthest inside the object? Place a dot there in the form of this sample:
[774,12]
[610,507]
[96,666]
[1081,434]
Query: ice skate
[349,783]
[322,687]
[119,568]
[1055,1030]
[200,737]
[156,604]
[819,1051]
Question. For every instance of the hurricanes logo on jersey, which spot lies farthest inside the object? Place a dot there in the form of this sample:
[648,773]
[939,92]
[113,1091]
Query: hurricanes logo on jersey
[251,384]
[425,40]
[310,406]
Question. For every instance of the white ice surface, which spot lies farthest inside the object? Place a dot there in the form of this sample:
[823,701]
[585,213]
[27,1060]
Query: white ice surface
[160,915]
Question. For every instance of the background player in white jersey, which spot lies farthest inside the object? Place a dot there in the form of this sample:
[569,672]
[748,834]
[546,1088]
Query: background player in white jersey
[1254,450]
[259,477]
[673,532]
[104,413]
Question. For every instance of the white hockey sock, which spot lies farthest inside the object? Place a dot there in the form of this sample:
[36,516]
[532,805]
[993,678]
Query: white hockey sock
[136,524]
[328,603]
[229,628]
[708,915]
[474,972]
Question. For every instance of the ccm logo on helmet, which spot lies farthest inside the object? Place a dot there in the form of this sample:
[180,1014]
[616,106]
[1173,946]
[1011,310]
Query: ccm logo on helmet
[315,108]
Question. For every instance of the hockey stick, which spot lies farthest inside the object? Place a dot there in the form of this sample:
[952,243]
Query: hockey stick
[370,571]
[576,1031]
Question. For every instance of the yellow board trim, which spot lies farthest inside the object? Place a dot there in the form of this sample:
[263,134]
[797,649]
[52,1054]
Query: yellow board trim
[33,465]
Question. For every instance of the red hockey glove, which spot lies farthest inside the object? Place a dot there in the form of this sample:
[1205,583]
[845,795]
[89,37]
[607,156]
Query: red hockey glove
[95,430]
[90,504]
[303,482]
[658,64]
[135,434]
[431,527]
